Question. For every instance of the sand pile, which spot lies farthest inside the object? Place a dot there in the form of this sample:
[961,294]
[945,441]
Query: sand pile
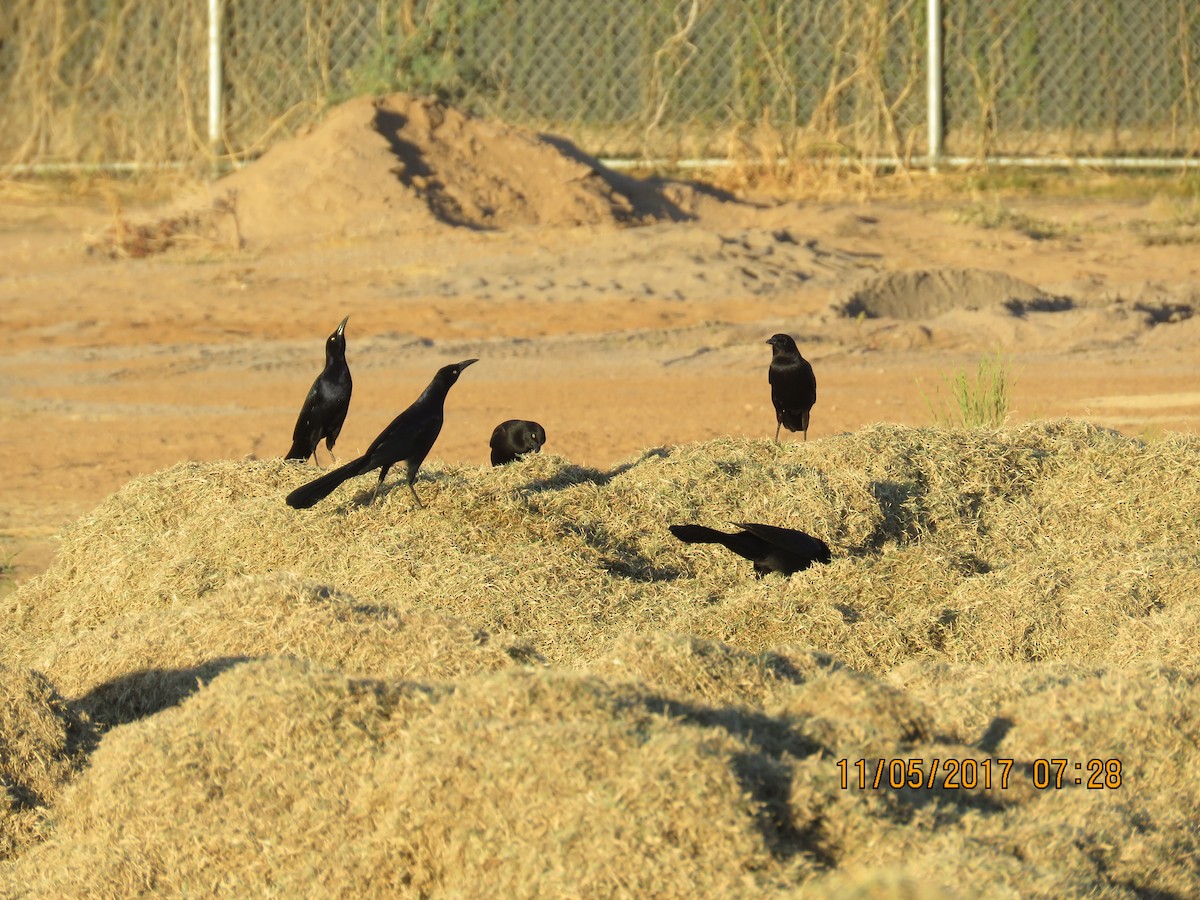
[981,310]
[925,294]
[402,164]
[529,682]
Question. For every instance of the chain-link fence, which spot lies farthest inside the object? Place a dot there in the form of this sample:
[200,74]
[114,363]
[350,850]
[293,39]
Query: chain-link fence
[106,81]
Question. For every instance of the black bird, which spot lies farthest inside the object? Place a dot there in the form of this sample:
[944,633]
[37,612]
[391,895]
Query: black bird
[328,399]
[515,438]
[793,385]
[409,439]
[771,549]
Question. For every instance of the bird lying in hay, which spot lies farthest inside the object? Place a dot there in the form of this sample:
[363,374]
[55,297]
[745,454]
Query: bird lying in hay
[515,438]
[771,549]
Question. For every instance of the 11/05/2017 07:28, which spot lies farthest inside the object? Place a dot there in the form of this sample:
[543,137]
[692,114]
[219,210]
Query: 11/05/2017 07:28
[970,774]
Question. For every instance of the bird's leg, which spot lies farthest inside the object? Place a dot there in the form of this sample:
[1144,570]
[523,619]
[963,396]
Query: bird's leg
[778,425]
[412,476]
[379,483]
[332,458]
[415,497]
[806,434]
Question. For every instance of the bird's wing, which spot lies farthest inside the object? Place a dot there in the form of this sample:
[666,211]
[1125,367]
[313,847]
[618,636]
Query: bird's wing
[410,434]
[790,540]
[304,435]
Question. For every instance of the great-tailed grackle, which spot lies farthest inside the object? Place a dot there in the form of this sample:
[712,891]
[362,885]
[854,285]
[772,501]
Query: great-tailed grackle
[793,385]
[515,438]
[409,439]
[771,549]
[328,399]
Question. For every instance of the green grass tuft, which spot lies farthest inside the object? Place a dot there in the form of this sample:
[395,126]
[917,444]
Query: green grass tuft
[979,402]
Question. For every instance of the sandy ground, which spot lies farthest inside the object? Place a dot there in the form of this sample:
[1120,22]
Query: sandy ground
[615,337]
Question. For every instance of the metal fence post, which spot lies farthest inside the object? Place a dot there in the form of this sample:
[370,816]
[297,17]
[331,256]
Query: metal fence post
[933,78]
[214,75]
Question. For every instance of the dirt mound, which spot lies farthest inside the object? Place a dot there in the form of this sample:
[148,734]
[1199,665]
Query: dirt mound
[402,163]
[924,294]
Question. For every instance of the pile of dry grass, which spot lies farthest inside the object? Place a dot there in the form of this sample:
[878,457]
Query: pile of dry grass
[139,663]
[531,684]
[556,781]
[1047,542]
[42,744]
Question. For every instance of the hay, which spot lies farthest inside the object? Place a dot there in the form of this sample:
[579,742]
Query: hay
[530,684]
[321,783]
[42,743]
[142,662]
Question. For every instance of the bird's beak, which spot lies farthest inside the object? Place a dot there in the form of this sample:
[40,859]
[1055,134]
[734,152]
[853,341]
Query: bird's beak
[466,362]
[341,326]
[770,341]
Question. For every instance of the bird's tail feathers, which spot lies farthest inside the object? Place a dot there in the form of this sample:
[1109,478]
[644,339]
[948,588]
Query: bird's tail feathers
[698,534]
[794,419]
[309,494]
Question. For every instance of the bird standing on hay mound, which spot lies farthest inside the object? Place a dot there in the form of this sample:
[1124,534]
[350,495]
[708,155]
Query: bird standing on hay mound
[409,438]
[327,403]
[793,385]
[770,548]
[514,438]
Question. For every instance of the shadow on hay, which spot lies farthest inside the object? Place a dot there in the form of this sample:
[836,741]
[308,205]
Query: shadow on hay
[430,484]
[902,507]
[620,557]
[906,516]
[766,776]
[767,773]
[24,793]
[139,694]
[568,476]
[571,475]
[994,735]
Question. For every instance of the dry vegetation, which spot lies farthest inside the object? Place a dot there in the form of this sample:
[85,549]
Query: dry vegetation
[530,685]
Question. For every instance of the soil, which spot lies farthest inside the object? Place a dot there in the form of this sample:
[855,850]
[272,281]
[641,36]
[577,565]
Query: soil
[621,314]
